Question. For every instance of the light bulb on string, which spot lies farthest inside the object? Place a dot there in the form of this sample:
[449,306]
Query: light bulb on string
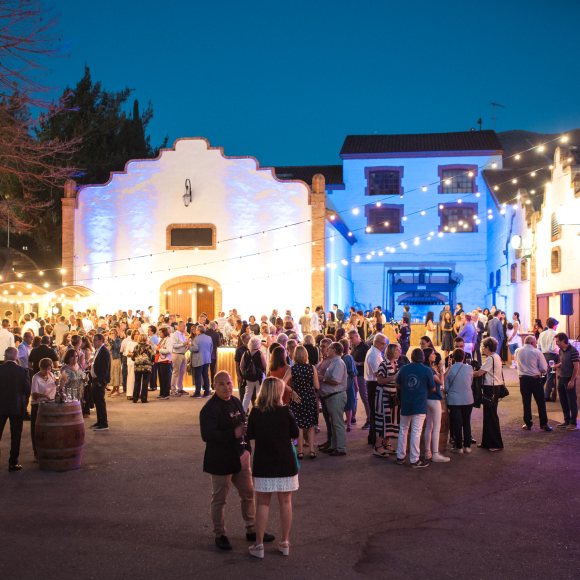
[540,148]
[423,213]
[517,156]
[355,211]
[424,189]
[378,204]
[564,139]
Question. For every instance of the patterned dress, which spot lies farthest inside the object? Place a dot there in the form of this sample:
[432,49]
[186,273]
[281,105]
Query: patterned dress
[386,407]
[306,413]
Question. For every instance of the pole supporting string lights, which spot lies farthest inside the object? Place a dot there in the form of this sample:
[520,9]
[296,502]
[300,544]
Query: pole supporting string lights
[332,216]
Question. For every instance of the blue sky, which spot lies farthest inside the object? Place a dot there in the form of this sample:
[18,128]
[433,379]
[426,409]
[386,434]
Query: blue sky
[286,81]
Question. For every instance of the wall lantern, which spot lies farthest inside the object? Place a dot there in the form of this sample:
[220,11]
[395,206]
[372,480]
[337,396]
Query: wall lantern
[188,195]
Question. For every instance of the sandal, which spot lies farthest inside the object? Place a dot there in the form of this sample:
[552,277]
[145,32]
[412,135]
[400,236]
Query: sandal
[380,452]
[300,456]
[313,455]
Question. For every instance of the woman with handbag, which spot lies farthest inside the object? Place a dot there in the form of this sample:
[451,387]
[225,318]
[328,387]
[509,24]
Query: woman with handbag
[458,379]
[491,372]
[275,466]
[163,361]
[387,413]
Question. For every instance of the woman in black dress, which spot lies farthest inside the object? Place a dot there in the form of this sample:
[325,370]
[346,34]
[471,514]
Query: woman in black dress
[304,381]
[447,330]
[275,468]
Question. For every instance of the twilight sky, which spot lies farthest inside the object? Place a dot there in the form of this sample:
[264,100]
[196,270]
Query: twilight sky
[286,81]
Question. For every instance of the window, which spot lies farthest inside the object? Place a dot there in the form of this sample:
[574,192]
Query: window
[518,254]
[491,278]
[555,228]
[498,278]
[384,180]
[457,178]
[458,217]
[556,260]
[190,237]
[385,219]
[513,273]
[524,270]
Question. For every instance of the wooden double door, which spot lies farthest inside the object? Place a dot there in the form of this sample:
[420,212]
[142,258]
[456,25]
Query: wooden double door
[188,299]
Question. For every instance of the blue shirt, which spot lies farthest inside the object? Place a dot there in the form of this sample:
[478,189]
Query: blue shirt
[416,381]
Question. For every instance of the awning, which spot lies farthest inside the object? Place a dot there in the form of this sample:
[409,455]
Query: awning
[418,298]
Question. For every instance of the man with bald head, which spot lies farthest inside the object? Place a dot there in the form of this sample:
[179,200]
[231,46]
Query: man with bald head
[531,365]
[222,422]
[14,391]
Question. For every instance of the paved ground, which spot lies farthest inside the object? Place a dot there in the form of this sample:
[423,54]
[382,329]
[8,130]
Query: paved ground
[139,509]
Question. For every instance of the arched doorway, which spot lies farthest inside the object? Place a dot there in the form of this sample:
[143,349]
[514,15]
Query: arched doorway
[190,296]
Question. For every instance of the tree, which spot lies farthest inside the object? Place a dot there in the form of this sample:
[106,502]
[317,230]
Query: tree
[27,166]
[109,137]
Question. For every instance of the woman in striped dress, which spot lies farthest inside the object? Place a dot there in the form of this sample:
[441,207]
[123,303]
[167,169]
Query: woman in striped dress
[386,402]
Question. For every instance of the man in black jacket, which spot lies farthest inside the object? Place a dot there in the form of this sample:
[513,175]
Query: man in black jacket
[14,391]
[100,378]
[227,458]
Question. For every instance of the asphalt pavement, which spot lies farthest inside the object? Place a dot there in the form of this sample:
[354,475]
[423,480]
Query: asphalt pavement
[139,508]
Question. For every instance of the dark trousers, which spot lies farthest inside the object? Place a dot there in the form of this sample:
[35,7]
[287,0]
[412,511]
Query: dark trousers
[141,386]
[202,374]
[15,435]
[568,401]
[372,393]
[124,372]
[327,421]
[153,378]
[460,419]
[477,349]
[212,370]
[98,391]
[491,437]
[532,387]
[33,417]
[164,374]
[550,384]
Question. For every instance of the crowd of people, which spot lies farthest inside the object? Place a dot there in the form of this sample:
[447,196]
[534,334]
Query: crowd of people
[289,373]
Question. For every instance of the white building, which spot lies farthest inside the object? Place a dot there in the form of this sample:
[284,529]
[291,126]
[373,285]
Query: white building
[191,231]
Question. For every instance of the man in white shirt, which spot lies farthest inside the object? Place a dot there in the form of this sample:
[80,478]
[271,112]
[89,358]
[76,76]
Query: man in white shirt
[547,346]
[179,344]
[6,338]
[315,322]
[87,323]
[221,321]
[531,367]
[28,325]
[373,359]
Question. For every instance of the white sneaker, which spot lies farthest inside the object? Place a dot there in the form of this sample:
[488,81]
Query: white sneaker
[456,450]
[256,550]
[438,458]
[467,450]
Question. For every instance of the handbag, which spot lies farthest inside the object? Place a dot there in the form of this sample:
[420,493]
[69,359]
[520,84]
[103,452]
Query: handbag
[295,453]
[502,389]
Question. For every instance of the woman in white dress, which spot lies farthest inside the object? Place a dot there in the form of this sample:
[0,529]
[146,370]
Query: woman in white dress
[514,338]
[130,347]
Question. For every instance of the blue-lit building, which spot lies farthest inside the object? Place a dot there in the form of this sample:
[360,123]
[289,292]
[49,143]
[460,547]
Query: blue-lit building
[409,221]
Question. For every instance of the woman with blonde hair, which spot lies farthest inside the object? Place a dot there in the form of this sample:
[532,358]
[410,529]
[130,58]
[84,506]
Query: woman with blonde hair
[304,382]
[275,467]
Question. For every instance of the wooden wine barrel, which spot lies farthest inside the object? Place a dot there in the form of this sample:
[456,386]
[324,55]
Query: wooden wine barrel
[60,436]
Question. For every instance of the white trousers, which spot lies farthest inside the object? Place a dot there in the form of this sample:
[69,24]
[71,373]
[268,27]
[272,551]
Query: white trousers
[251,386]
[415,423]
[432,427]
[130,377]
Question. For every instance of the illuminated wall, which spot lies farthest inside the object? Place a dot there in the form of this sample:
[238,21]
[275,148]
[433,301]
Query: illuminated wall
[128,217]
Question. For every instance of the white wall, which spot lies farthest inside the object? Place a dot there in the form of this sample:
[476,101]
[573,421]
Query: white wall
[559,195]
[338,276]
[128,216]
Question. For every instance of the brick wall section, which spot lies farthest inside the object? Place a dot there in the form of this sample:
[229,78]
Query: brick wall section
[318,203]
[69,204]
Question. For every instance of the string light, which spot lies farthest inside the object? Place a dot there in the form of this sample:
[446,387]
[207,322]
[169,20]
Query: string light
[355,211]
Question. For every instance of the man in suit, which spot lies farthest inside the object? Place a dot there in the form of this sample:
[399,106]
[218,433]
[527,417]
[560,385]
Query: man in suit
[495,328]
[14,391]
[339,314]
[100,378]
[227,458]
